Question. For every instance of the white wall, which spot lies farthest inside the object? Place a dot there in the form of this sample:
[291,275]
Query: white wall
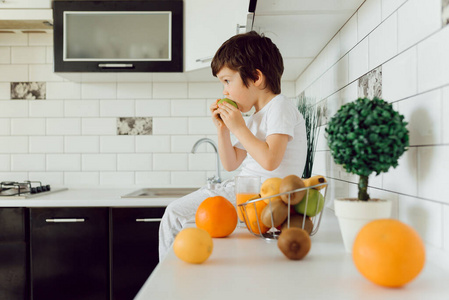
[408,43]
[70,138]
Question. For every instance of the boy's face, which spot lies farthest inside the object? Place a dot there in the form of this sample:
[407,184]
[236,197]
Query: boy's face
[235,89]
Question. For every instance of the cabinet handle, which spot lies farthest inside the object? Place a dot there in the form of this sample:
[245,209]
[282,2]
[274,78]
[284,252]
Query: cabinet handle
[149,220]
[115,65]
[72,220]
[204,59]
[237,30]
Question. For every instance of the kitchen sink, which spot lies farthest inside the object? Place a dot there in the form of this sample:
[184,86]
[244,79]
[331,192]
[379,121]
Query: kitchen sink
[160,193]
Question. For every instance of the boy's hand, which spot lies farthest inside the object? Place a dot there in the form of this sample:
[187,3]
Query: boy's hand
[218,122]
[231,116]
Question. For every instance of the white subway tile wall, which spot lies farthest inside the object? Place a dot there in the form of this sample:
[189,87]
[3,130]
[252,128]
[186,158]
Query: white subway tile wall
[28,55]
[399,78]
[358,60]
[5,162]
[133,90]
[46,144]
[444,114]
[63,90]
[383,42]
[368,17]
[5,55]
[417,19]
[390,6]
[70,138]
[407,39]
[445,226]
[81,144]
[30,126]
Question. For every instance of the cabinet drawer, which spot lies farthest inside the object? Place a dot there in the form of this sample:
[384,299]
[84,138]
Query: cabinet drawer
[134,248]
[13,271]
[12,224]
[69,253]
[14,262]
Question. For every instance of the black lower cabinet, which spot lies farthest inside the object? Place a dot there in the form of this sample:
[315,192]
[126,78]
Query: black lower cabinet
[134,248]
[14,262]
[69,253]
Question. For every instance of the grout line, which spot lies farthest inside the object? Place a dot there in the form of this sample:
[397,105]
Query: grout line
[390,191]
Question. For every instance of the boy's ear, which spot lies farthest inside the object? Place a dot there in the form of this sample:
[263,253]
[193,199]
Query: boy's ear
[259,78]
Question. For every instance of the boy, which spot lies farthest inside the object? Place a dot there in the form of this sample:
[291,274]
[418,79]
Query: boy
[272,143]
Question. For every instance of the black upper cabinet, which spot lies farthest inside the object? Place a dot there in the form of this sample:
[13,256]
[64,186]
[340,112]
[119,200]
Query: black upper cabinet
[134,248]
[14,249]
[118,36]
[69,253]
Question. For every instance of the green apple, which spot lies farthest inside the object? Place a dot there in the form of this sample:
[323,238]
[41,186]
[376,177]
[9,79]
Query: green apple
[314,201]
[229,101]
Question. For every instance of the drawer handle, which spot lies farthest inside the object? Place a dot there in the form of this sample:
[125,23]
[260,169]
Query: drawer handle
[149,220]
[72,220]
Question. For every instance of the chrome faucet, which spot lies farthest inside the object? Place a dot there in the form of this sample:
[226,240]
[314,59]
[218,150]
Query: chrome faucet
[216,178]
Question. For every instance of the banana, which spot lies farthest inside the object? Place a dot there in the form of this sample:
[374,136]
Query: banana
[314,180]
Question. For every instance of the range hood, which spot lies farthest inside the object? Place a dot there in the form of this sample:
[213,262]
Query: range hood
[14,20]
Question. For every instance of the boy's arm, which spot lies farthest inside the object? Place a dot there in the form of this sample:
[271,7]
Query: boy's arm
[231,157]
[268,153]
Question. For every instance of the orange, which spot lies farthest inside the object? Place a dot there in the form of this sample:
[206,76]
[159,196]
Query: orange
[388,252]
[253,217]
[217,215]
[193,245]
[242,198]
[270,187]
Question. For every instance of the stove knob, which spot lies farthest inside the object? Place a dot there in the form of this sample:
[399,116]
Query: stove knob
[48,187]
[33,190]
[39,189]
[44,188]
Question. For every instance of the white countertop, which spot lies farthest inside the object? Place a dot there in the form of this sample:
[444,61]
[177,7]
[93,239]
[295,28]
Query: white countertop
[86,198]
[243,266]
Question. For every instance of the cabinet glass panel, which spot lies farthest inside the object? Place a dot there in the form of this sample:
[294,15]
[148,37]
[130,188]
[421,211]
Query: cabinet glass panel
[121,36]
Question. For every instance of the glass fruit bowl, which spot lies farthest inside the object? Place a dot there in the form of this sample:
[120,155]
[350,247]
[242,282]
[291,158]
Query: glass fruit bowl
[267,217]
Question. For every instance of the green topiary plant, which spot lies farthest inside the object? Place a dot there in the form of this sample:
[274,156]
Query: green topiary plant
[367,136]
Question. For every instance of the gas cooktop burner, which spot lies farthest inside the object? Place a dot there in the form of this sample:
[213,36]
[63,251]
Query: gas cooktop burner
[11,188]
[25,189]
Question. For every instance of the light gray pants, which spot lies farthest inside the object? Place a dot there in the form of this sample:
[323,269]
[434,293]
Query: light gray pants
[183,210]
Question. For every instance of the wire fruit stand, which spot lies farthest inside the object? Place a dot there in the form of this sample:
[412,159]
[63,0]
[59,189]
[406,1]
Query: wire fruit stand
[266,217]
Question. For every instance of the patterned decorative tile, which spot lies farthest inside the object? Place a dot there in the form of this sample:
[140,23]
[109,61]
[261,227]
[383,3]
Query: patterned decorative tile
[135,126]
[370,84]
[28,90]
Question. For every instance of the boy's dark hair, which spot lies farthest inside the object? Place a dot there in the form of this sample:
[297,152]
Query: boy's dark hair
[247,52]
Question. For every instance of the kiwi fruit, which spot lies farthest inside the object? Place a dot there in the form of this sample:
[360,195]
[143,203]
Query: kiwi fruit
[294,243]
[296,221]
[278,210]
[291,183]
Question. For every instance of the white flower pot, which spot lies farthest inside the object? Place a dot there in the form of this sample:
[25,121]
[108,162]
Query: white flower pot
[353,214]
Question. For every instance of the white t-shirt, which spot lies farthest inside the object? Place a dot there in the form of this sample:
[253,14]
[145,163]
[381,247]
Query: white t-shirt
[279,116]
